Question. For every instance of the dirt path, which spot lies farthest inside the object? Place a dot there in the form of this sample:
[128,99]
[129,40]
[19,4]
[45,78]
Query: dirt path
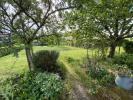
[79,92]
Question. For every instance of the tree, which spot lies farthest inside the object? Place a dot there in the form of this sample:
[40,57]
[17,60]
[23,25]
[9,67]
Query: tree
[54,39]
[109,19]
[27,19]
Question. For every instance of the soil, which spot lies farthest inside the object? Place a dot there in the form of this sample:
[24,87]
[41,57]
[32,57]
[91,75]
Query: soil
[80,92]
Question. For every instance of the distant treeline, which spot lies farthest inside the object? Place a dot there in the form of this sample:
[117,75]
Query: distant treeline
[8,50]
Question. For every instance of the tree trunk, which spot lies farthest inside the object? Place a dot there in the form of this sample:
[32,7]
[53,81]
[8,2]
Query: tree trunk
[29,58]
[112,50]
[87,53]
[32,52]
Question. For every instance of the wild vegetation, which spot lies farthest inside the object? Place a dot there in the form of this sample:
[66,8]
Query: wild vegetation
[66,49]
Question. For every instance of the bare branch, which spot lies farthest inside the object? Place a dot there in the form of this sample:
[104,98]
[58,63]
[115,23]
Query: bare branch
[17,13]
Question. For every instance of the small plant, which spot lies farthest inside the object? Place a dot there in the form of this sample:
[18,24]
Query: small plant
[97,72]
[123,70]
[32,86]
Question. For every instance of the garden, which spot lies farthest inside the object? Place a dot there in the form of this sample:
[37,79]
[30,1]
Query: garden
[66,50]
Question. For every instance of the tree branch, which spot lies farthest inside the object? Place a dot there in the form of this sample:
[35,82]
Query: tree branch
[128,36]
[116,27]
[60,9]
[24,10]
[49,14]
[129,29]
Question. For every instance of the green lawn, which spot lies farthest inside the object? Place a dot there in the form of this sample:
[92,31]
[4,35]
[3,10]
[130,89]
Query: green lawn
[10,65]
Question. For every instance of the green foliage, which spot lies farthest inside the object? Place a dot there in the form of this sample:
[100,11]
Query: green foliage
[35,19]
[128,47]
[109,21]
[107,80]
[32,86]
[98,77]
[34,14]
[46,60]
[8,50]
[93,86]
[101,74]
[54,39]
[97,72]
[124,59]
[73,61]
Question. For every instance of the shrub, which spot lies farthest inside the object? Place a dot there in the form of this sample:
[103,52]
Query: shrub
[7,50]
[101,74]
[107,80]
[98,77]
[97,72]
[124,59]
[128,47]
[46,60]
[37,86]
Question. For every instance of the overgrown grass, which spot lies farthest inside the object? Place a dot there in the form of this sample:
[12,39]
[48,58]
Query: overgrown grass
[10,65]
[71,57]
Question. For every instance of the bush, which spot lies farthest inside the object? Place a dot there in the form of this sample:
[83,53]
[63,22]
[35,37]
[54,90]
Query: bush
[100,74]
[37,86]
[128,47]
[7,50]
[97,72]
[124,59]
[46,60]
[98,77]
